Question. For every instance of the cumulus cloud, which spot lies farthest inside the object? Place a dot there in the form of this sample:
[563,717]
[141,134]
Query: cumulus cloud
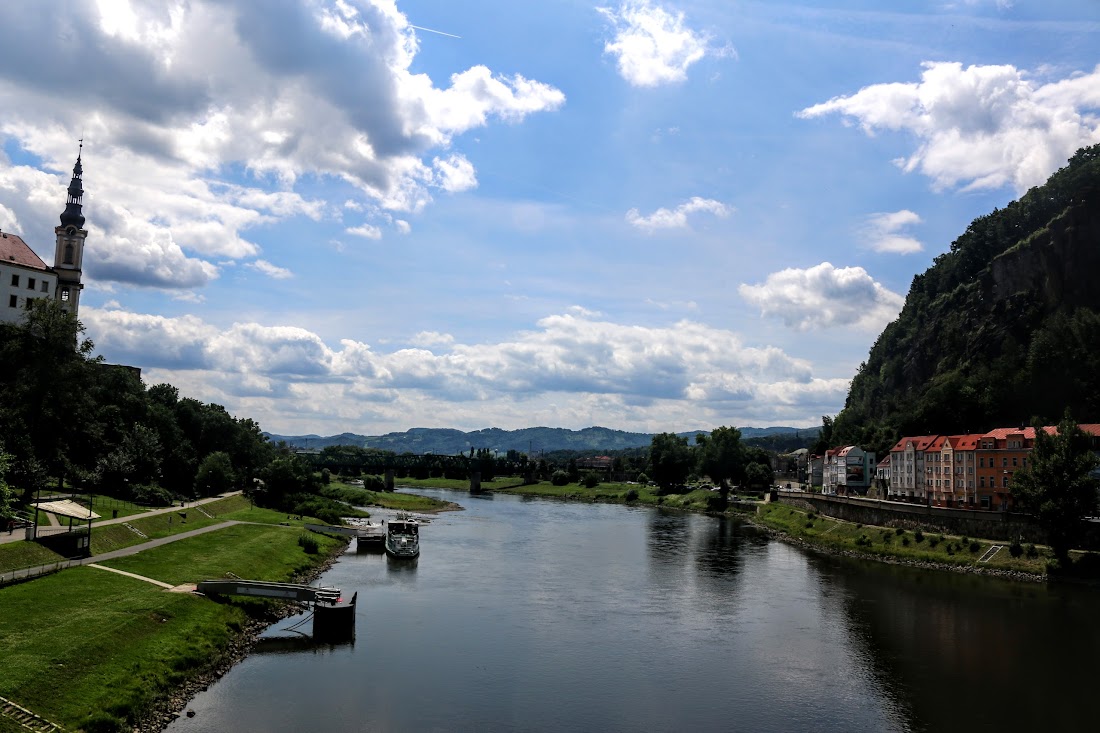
[675,218]
[652,45]
[367,231]
[273,271]
[885,232]
[824,296]
[575,357]
[980,127]
[166,125]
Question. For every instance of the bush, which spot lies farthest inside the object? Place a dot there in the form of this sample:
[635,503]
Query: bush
[899,531]
[810,524]
[905,541]
[631,495]
[102,722]
[150,495]
[643,479]
[950,549]
[591,480]
[559,478]
[1016,549]
[918,536]
[1032,551]
[933,541]
[308,543]
[863,541]
[859,526]
[975,546]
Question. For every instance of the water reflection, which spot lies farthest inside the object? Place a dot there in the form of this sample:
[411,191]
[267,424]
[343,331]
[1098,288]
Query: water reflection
[544,615]
[968,652]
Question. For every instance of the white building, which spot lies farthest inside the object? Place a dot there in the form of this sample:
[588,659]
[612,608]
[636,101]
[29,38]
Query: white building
[24,277]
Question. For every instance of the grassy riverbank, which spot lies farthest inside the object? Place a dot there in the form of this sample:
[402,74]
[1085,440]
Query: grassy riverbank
[358,496]
[884,543]
[93,649]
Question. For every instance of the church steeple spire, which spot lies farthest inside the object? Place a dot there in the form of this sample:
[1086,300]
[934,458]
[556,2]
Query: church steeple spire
[68,254]
[72,215]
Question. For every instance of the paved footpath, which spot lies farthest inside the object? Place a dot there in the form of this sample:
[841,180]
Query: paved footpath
[19,534]
[131,550]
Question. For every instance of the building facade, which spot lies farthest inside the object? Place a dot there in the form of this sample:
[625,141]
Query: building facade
[24,277]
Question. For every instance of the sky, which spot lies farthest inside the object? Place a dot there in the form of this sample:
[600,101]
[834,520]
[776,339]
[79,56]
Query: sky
[368,216]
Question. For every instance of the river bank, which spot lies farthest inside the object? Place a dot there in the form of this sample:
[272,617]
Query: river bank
[930,550]
[173,704]
[133,652]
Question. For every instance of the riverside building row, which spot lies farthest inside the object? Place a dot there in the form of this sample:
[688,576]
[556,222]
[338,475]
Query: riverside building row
[971,471]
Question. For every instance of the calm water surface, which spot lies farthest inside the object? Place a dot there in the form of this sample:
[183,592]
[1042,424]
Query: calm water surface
[539,615]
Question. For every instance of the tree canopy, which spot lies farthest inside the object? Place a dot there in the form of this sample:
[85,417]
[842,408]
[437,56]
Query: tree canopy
[1058,486]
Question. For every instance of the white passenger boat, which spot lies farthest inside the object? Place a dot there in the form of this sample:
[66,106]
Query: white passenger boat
[403,538]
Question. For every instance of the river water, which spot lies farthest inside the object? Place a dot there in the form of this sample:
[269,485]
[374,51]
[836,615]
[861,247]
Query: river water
[529,614]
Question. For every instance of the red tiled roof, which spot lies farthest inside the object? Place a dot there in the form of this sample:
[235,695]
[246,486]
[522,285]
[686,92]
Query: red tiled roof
[1003,433]
[920,442]
[884,463]
[14,250]
[964,442]
[937,443]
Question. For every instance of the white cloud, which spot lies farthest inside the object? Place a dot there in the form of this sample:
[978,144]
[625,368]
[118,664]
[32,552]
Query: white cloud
[884,232]
[565,362]
[165,123]
[367,231]
[824,296]
[676,218]
[652,45]
[980,127]
[272,271]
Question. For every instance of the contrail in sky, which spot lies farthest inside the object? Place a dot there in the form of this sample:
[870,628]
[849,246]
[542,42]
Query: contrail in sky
[433,30]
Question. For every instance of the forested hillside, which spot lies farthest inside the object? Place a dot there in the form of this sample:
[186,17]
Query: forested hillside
[1003,329]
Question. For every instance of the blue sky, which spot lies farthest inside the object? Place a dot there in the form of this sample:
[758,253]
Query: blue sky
[368,216]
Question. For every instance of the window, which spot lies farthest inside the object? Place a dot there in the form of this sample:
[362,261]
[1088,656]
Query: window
[30,283]
[27,303]
[981,461]
[45,287]
[981,482]
[985,502]
[68,253]
[13,301]
[1004,462]
[1004,482]
[64,294]
[1013,460]
[15,280]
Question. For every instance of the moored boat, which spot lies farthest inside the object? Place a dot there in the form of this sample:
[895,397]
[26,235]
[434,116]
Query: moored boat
[403,538]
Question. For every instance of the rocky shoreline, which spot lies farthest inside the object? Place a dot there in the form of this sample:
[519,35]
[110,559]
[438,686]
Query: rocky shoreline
[166,709]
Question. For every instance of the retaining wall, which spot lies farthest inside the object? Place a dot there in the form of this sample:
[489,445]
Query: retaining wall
[994,525]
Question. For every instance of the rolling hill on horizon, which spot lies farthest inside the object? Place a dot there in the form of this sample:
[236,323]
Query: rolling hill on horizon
[447,441]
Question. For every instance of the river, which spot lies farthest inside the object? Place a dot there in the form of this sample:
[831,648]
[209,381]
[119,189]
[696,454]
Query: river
[530,614]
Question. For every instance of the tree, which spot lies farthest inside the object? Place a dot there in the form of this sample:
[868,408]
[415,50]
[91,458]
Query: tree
[757,475]
[670,460]
[5,492]
[1057,486]
[215,475]
[721,456]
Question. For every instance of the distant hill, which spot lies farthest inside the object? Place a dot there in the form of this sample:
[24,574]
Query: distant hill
[1002,330]
[445,441]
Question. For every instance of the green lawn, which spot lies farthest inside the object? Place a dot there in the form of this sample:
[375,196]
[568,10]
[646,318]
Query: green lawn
[85,642]
[16,555]
[457,484]
[358,496]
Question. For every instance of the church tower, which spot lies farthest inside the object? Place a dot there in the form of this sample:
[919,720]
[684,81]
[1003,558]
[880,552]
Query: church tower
[69,250]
